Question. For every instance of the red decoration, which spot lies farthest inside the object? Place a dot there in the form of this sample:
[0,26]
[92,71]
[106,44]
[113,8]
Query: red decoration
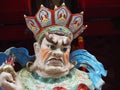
[11,60]
[81,42]
[59,88]
[83,87]
[84,69]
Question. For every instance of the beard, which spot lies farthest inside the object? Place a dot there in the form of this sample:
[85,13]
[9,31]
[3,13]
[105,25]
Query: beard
[49,71]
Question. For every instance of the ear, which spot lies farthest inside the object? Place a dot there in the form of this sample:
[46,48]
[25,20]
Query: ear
[36,47]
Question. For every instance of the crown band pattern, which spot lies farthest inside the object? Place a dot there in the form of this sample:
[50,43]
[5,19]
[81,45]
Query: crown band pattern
[60,16]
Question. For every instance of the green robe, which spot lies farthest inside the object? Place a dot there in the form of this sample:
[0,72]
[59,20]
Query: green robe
[31,81]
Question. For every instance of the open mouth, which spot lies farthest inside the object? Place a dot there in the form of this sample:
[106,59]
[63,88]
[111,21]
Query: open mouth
[55,62]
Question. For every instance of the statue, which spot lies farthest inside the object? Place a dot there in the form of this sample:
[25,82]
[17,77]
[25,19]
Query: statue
[53,67]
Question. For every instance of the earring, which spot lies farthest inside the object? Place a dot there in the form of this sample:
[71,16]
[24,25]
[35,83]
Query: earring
[28,65]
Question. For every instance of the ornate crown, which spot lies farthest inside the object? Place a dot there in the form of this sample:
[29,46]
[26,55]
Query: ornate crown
[60,18]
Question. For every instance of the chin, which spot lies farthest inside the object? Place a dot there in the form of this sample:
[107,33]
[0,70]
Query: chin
[50,71]
[54,71]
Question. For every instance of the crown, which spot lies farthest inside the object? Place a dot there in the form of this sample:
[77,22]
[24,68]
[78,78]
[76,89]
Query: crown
[60,18]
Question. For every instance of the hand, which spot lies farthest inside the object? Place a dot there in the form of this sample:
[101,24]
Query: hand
[8,78]
[7,82]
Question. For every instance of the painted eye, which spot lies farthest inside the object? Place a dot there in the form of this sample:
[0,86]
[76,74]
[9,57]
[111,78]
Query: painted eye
[52,47]
[63,49]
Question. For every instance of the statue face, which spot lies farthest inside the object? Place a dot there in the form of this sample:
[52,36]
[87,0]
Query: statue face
[52,56]
[55,50]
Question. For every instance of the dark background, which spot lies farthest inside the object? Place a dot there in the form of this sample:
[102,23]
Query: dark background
[101,38]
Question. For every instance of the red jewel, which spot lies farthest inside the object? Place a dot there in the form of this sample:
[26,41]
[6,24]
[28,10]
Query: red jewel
[59,88]
[83,87]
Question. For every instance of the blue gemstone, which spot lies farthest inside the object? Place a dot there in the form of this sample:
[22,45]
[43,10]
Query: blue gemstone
[60,28]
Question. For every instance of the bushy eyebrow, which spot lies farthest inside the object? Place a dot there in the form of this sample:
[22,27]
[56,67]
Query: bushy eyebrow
[55,43]
[51,40]
[67,43]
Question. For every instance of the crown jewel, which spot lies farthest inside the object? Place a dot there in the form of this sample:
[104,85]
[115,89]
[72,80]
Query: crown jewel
[60,16]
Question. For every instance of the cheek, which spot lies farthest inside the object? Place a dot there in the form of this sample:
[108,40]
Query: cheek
[66,57]
[45,53]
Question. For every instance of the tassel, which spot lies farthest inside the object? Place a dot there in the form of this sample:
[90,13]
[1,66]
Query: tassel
[81,42]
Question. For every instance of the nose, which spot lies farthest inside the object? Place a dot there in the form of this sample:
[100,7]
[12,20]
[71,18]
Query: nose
[58,53]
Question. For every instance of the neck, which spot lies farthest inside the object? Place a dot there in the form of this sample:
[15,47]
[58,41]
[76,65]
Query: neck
[52,80]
